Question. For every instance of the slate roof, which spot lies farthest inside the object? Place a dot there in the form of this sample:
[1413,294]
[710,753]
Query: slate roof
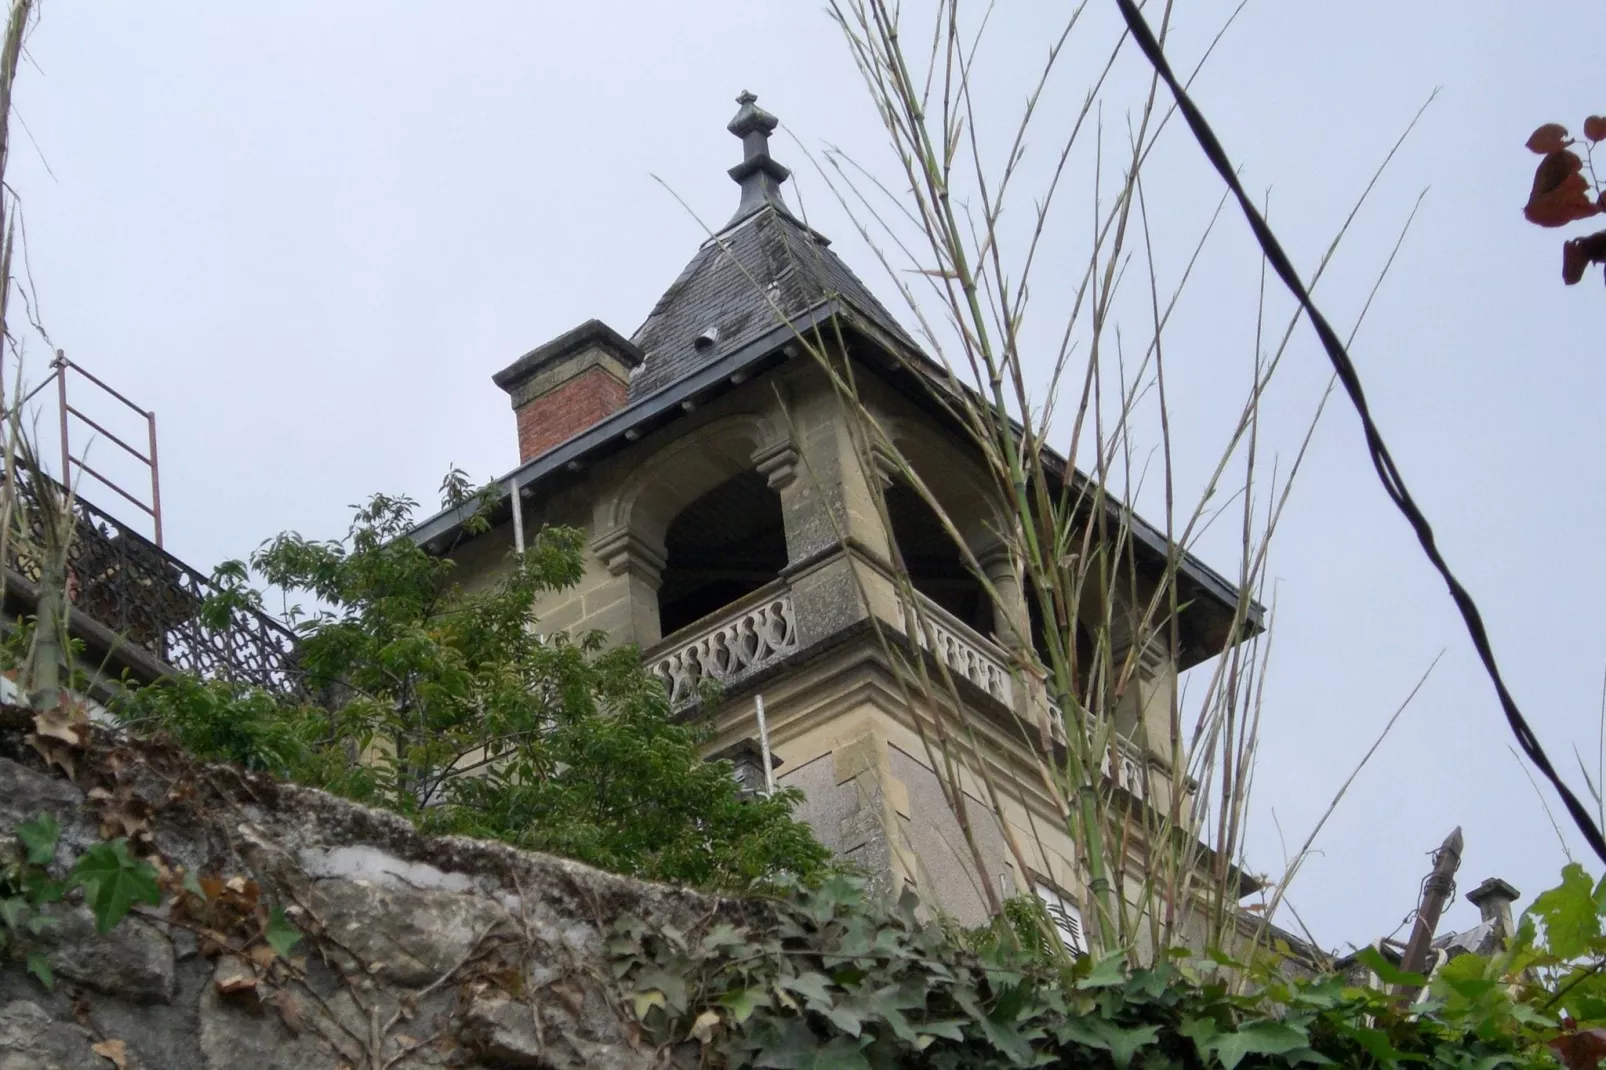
[762,272]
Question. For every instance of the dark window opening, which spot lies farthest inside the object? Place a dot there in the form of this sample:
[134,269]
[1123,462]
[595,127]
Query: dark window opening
[726,544]
[936,567]
[1082,656]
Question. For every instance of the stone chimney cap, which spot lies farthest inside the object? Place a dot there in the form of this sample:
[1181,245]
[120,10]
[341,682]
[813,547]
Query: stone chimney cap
[1493,889]
[592,334]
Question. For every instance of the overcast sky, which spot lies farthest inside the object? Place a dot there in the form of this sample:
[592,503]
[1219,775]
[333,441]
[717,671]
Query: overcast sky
[306,233]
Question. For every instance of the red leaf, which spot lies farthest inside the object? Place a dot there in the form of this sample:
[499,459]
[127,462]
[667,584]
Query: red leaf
[1552,137]
[1560,193]
[1595,128]
[1579,253]
[1581,1051]
[1573,263]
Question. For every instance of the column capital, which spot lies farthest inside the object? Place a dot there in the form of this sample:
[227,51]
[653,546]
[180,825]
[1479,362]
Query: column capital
[626,552]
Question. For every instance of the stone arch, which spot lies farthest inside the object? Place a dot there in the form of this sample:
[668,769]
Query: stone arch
[953,478]
[743,453]
[655,491]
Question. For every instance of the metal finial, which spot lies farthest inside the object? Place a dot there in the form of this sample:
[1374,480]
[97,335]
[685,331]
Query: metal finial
[758,174]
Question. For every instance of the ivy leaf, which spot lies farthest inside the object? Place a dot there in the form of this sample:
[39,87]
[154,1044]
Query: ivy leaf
[1257,1038]
[724,935]
[281,935]
[1569,913]
[812,986]
[792,1045]
[947,1028]
[39,837]
[39,966]
[1108,972]
[646,1000]
[670,985]
[1121,1043]
[11,911]
[40,889]
[1377,1045]
[743,1002]
[113,881]
[1386,971]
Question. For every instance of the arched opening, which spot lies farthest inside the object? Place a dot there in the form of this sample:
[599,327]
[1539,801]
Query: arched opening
[936,567]
[728,543]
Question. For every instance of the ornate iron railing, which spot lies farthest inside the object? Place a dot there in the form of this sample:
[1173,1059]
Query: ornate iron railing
[748,635]
[150,599]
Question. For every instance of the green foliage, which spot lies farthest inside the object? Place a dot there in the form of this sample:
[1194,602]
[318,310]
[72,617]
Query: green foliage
[26,887]
[112,881]
[827,977]
[39,838]
[447,706]
[280,934]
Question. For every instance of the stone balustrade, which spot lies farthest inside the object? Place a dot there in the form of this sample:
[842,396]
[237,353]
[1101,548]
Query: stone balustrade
[967,654]
[748,635]
[1126,767]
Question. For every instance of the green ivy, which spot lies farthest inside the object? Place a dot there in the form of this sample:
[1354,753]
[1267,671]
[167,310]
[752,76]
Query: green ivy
[111,879]
[827,978]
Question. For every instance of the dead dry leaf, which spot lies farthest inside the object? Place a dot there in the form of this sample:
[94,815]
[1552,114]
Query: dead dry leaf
[54,752]
[68,722]
[702,1030]
[289,1009]
[114,1050]
[234,976]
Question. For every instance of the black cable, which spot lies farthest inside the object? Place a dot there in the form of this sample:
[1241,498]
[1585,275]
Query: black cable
[1382,460]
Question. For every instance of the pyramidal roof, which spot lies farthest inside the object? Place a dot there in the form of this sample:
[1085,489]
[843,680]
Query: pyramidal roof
[763,269]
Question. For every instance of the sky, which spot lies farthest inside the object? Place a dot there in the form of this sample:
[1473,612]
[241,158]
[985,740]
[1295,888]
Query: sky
[306,234]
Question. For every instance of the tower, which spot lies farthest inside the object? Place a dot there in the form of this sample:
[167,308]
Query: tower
[740,532]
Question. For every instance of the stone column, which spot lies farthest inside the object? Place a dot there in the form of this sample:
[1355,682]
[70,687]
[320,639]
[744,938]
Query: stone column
[1011,624]
[627,606]
[830,494]
[826,498]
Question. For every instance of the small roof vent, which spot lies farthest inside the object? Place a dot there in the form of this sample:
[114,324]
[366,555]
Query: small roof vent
[706,339]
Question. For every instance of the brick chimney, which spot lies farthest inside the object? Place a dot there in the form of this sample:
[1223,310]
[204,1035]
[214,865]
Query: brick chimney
[1493,898]
[569,384]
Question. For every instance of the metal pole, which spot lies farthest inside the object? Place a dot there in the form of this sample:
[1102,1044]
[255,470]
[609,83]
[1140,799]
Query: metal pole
[1436,892]
[156,480]
[764,746]
[518,516]
[61,397]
